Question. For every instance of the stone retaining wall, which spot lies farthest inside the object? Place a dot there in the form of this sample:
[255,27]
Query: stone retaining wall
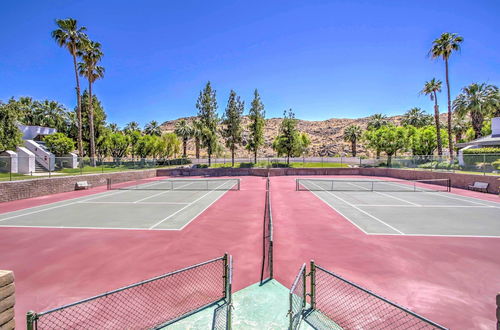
[7,300]
[14,190]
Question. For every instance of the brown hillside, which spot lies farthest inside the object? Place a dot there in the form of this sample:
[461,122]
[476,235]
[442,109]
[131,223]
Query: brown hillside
[325,135]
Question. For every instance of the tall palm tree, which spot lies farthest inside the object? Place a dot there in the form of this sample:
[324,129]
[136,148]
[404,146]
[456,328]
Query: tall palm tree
[113,127]
[197,133]
[132,126]
[377,120]
[478,101]
[91,55]
[70,36]
[460,126]
[443,47]
[351,134]
[431,88]
[185,131]
[416,117]
[152,128]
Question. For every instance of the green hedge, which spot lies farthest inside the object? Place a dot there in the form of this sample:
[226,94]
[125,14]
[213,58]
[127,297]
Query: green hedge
[482,151]
[440,165]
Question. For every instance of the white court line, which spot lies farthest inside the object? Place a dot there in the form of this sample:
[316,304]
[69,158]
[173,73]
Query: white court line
[339,212]
[424,206]
[360,210]
[386,195]
[439,235]
[198,214]
[467,200]
[459,199]
[160,193]
[147,203]
[171,215]
[58,206]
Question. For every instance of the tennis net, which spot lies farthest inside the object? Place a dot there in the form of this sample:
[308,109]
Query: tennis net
[430,185]
[176,184]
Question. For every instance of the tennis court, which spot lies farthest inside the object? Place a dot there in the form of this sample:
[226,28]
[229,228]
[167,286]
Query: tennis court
[399,207]
[151,204]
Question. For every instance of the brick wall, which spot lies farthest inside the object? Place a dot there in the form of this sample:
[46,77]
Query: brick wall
[7,300]
[14,190]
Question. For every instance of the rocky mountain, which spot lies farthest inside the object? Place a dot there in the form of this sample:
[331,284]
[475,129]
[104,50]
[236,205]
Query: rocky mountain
[326,135]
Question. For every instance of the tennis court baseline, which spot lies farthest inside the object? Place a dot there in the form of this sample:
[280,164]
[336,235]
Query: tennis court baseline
[149,205]
[397,207]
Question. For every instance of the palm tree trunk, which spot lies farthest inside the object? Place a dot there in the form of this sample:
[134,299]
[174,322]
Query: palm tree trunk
[438,129]
[353,148]
[78,107]
[232,157]
[91,127]
[197,147]
[450,144]
[477,123]
[184,147]
[255,156]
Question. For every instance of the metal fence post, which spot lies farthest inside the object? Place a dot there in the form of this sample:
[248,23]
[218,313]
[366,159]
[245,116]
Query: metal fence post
[226,275]
[313,285]
[498,311]
[31,320]
[304,289]
[484,164]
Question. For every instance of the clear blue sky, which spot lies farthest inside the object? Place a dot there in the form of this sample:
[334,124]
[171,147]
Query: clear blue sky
[324,59]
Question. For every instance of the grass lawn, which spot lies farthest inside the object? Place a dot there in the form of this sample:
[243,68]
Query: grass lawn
[78,171]
[15,176]
[278,165]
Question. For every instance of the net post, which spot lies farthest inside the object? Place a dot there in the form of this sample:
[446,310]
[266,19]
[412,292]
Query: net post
[449,185]
[290,311]
[239,184]
[498,311]
[31,318]
[304,288]
[313,285]
[226,275]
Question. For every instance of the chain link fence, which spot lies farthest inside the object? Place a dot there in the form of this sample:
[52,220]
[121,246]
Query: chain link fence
[19,167]
[337,303]
[297,298]
[351,306]
[30,167]
[152,303]
[223,313]
[267,239]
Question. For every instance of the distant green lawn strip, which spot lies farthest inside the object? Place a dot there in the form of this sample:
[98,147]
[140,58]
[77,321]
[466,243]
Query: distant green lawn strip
[278,165]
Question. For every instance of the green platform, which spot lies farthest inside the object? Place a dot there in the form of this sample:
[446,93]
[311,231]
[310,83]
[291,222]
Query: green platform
[255,307]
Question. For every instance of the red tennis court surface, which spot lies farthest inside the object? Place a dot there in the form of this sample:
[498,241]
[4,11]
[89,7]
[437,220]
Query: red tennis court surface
[59,266]
[450,280]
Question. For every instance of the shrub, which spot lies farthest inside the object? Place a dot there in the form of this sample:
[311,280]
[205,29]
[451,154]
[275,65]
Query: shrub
[482,151]
[59,144]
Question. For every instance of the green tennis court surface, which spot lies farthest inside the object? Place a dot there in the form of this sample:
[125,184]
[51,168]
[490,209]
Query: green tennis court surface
[159,205]
[406,207]
[255,307]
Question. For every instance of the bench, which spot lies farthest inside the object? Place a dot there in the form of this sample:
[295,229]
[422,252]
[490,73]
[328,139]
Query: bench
[82,185]
[479,186]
